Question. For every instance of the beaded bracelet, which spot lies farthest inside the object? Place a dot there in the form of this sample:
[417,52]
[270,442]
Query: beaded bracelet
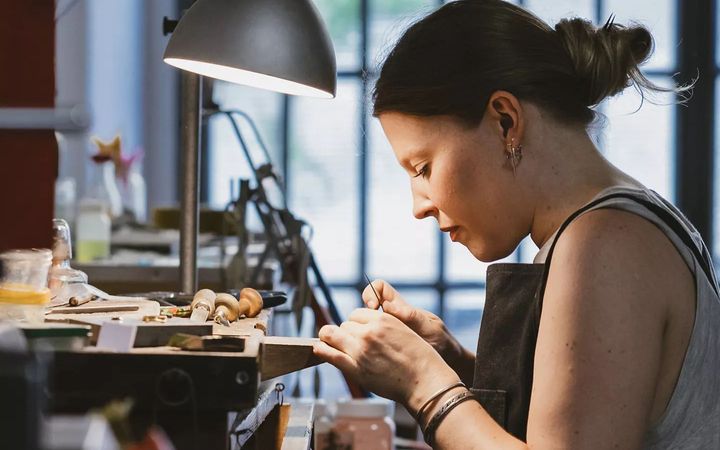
[433,424]
[442,391]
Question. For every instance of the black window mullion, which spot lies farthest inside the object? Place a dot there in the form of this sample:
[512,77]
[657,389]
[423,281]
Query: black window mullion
[599,11]
[695,122]
[455,285]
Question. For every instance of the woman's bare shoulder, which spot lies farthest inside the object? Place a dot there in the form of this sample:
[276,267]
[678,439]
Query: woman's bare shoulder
[613,276]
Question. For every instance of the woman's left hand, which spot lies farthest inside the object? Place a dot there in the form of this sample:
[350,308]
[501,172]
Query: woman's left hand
[383,354]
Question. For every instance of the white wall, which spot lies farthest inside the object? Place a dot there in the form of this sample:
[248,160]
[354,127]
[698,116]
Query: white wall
[109,65]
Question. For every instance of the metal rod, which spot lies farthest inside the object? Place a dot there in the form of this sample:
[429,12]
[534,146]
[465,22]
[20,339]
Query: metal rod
[191,91]
[75,118]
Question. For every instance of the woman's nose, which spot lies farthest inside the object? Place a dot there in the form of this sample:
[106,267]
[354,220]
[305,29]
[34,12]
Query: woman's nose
[423,207]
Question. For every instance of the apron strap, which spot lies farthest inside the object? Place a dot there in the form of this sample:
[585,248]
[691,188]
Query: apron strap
[666,216]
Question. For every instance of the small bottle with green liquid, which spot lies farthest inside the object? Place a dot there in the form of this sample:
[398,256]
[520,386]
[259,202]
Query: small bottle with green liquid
[93,231]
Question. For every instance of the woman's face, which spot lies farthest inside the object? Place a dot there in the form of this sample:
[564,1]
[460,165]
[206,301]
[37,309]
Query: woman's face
[460,176]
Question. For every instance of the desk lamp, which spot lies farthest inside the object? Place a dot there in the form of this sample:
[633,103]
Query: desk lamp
[279,45]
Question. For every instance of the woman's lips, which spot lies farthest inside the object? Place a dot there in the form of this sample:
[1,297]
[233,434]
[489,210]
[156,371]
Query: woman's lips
[453,234]
[452,231]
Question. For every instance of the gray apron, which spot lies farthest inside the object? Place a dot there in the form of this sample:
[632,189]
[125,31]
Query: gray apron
[504,361]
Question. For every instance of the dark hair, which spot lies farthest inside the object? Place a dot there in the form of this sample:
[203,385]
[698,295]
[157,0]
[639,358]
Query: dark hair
[450,63]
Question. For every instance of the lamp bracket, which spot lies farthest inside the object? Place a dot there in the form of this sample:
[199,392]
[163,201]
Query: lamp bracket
[168,25]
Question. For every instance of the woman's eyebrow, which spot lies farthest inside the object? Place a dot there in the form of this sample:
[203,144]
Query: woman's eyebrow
[417,152]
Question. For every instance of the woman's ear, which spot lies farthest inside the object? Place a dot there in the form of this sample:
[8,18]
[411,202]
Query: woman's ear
[506,116]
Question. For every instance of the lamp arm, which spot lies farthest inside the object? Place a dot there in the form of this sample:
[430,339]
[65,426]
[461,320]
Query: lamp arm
[255,130]
[258,137]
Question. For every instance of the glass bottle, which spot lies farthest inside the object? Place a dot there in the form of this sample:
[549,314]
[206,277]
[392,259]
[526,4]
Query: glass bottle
[94,230]
[102,186]
[64,280]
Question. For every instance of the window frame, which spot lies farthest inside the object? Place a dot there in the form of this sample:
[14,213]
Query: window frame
[693,147]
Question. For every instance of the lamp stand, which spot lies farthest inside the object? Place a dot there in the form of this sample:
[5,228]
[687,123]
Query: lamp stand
[191,92]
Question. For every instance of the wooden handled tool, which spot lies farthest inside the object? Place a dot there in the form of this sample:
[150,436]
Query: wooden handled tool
[81,299]
[251,302]
[203,305]
[227,309]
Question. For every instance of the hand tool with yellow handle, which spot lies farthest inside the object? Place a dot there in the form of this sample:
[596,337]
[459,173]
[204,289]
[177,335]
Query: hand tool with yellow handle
[251,302]
[203,305]
[227,309]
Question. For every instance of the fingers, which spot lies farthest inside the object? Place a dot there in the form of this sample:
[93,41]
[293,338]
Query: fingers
[340,339]
[364,315]
[368,295]
[409,315]
[335,357]
[393,304]
[384,290]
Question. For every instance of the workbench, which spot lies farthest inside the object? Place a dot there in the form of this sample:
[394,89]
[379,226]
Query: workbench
[209,400]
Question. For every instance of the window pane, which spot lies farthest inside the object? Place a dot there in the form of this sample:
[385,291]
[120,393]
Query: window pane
[527,251]
[463,312]
[388,20]
[323,181]
[425,299]
[226,160]
[346,300]
[642,143]
[552,12]
[342,18]
[659,17]
[400,247]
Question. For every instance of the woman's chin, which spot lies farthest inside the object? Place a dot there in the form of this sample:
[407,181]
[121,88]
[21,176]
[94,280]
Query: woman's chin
[486,253]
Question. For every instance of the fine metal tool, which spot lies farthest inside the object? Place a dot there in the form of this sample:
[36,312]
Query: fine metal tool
[373,289]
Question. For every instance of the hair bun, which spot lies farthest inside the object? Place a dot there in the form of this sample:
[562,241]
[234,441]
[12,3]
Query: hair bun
[606,60]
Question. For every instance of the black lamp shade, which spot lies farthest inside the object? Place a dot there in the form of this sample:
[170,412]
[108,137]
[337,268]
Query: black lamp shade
[280,45]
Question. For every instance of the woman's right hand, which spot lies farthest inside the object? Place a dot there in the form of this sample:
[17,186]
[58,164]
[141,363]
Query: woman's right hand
[426,324]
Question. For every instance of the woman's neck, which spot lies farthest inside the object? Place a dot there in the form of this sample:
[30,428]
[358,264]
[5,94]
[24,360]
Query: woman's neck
[579,173]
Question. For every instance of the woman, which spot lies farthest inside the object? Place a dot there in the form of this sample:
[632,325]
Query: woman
[612,339]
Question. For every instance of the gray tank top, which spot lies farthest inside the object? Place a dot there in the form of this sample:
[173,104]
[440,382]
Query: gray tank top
[692,417]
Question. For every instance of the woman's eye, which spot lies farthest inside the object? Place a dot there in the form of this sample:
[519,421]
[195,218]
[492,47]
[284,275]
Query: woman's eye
[423,171]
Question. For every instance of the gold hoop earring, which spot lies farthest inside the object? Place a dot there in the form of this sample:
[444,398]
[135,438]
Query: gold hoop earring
[513,153]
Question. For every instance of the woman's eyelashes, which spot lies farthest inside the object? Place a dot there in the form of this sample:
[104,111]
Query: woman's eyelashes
[424,171]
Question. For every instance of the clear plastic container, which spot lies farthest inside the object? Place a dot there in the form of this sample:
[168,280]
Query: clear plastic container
[24,292]
[369,421]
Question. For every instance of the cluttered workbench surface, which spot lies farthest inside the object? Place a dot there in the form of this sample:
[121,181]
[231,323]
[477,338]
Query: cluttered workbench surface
[193,378]
[193,366]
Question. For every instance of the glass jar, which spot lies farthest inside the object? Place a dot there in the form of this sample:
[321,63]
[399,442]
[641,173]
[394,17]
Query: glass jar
[64,280]
[24,292]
